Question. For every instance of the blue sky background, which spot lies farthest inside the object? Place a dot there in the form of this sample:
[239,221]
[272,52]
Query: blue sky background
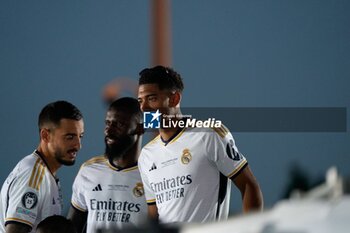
[230,53]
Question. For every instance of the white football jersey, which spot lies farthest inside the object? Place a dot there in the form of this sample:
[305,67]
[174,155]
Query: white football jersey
[113,198]
[30,193]
[188,177]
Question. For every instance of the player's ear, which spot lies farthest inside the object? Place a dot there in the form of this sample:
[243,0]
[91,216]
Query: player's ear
[175,99]
[45,134]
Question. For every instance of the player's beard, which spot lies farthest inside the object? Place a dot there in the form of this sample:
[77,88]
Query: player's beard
[59,156]
[118,149]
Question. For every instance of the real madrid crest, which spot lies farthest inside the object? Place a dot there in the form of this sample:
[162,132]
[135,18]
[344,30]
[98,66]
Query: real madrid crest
[186,156]
[138,190]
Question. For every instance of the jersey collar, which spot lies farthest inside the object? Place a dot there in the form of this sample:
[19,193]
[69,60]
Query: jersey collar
[173,138]
[41,156]
[117,168]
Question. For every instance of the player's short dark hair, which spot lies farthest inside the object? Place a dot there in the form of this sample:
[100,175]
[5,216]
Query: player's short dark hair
[56,224]
[56,111]
[128,105]
[165,77]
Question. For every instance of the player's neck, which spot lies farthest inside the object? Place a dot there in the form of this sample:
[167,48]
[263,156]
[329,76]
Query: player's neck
[167,134]
[170,132]
[123,163]
[49,160]
[129,158]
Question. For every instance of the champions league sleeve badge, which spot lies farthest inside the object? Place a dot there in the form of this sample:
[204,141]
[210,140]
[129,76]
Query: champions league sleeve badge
[29,200]
[138,190]
[186,156]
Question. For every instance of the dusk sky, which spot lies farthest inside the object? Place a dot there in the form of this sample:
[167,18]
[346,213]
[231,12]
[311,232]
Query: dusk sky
[230,54]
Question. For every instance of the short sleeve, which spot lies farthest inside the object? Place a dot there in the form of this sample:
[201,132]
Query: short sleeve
[78,199]
[223,151]
[150,196]
[25,196]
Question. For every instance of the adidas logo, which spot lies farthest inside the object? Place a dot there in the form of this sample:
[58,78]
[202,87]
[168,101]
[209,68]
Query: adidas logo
[154,167]
[97,188]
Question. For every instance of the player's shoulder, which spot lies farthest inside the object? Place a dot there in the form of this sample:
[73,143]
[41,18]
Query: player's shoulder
[29,163]
[153,143]
[31,171]
[100,159]
[149,149]
[222,131]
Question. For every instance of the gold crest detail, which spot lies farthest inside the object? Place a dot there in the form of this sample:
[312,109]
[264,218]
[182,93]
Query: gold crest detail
[186,156]
[138,190]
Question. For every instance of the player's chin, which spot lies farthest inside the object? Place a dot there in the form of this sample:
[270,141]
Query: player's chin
[67,161]
[113,143]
